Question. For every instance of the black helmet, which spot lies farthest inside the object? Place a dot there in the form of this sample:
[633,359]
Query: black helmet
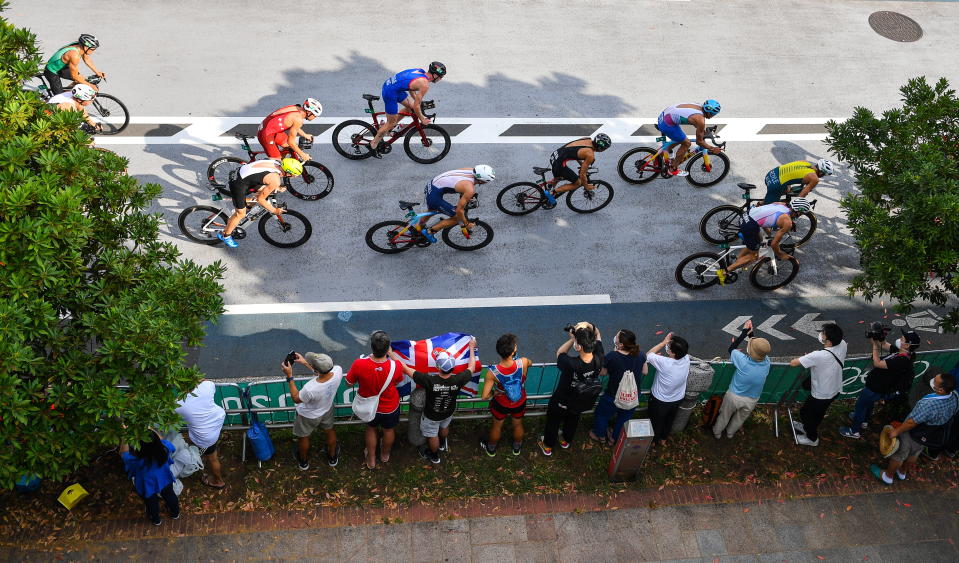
[602,141]
[87,40]
[438,68]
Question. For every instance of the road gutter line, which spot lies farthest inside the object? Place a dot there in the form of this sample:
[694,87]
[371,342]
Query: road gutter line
[470,303]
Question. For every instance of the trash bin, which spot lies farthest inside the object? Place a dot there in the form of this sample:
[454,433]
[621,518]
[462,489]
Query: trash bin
[630,450]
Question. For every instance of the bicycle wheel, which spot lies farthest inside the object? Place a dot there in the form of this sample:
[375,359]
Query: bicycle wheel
[200,223]
[352,139]
[768,275]
[520,198]
[218,173]
[637,166]
[385,237]
[315,183]
[289,230]
[721,224]
[803,228]
[582,200]
[110,113]
[476,238]
[429,147]
[701,176]
[698,271]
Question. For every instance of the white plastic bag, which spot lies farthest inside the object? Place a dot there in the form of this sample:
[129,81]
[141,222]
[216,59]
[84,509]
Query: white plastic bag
[365,407]
[627,394]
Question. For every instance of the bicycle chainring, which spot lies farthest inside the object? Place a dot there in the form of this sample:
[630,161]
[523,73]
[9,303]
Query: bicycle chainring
[385,148]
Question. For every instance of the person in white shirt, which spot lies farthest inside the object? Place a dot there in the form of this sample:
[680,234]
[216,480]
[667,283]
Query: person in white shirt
[669,386]
[204,421]
[825,368]
[314,405]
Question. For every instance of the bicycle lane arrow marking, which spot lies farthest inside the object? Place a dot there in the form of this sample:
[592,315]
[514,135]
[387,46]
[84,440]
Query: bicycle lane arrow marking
[768,325]
[808,326]
[737,324]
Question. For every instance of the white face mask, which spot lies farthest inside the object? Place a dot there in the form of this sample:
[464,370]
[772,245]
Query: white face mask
[822,339]
[899,343]
[932,383]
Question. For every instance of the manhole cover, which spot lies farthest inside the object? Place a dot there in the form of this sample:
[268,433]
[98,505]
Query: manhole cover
[895,26]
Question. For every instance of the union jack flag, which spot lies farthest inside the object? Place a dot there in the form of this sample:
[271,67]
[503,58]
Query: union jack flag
[421,356]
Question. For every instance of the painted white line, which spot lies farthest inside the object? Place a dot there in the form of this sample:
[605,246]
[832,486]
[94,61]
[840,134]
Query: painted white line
[472,303]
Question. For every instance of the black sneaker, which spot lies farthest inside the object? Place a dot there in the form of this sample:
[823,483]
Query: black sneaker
[175,516]
[332,460]
[517,448]
[157,522]
[424,452]
[302,464]
[434,457]
[444,445]
[489,451]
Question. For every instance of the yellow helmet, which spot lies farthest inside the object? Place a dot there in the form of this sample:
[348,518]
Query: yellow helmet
[292,166]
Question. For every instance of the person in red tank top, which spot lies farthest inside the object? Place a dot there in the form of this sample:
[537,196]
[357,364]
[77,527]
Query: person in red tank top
[281,128]
[500,406]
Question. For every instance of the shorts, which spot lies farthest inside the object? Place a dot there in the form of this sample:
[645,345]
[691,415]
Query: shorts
[211,450]
[560,170]
[435,202]
[431,428]
[774,190]
[303,426]
[272,142]
[674,133]
[238,192]
[56,85]
[392,98]
[749,232]
[386,421]
[500,412]
[907,448]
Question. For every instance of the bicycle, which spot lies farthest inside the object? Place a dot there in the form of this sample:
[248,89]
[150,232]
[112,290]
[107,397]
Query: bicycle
[642,164]
[109,112]
[200,223]
[315,183]
[352,137]
[392,237]
[721,224]
[698,271]
[523,198]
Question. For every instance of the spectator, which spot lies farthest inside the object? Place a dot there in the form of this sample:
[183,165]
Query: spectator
[505,388]
[204,421]
[577,388]
[371,372]
[747,383]
[148,464]
[928,421]
[626,360]
[441,391]
[825,380]
[314,405]
[669,386]
[889,377]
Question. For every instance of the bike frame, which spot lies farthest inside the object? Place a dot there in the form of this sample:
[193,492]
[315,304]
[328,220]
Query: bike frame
[765,251]
[665,146]
[401,129]
[253,209]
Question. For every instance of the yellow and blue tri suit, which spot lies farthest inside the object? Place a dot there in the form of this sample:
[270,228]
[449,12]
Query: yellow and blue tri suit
[788,177]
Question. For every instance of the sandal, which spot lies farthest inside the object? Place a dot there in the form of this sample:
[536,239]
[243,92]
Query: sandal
[365,464]
[205,479]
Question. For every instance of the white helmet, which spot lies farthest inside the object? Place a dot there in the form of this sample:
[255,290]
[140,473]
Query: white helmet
[484,173]
[825,166]
[83,92]
[799,204]
[313,106]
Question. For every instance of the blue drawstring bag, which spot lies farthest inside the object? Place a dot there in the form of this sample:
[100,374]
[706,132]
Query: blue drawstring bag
[27,484]
[257,433]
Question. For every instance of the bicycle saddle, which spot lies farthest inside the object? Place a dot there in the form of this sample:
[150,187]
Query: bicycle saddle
[746,187]
[540,170]
[407,204]
[370,97]
[242,136]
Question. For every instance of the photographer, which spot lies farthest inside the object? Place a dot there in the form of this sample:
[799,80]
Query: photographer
[890,376]
[669,386]
[825,382]
[314,404]
[578,385]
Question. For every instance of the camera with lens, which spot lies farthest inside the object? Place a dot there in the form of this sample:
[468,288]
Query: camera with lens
[569,327]
[878,331]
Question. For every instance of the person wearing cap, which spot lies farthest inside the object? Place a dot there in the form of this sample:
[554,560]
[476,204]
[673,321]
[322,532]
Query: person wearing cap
[926,424]
[747,383]
[825,382]
[314,405]
[891,375]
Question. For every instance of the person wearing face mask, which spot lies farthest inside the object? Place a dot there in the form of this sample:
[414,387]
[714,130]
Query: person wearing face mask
[626,360]
[747,383]
[891,375]
[669,385]
[825,382]
[925,426]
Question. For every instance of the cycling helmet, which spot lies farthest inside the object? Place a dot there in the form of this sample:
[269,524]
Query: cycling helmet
[313,106]
[799,204]
[437,68]
[711,108]
[83,92]
[602,141]
[825,166]
[88,40]
[444,362]
[292,166]
[484,173]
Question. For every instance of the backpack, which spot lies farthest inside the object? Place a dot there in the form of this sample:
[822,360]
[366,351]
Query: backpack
[583,393]
[512,384]
[711,410]
[627,394]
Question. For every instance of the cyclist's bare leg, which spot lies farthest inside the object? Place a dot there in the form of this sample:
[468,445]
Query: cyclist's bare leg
[391,121]
[234,220]
[448,222]
[567,187]
[745,257]
[680,155]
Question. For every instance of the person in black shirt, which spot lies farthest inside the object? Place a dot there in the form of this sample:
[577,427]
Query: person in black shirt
[626,358]
[890,376]
[578,386]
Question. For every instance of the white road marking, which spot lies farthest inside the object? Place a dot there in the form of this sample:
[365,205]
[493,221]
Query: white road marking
[471,303]
[767,327]
[809,326]
[482,130]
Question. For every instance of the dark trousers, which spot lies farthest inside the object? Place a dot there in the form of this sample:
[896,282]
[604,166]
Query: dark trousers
[153,503]
[812,413]
[662,414]
[952,440]
[558,415]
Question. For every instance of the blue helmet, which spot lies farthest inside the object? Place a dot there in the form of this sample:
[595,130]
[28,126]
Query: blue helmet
[711,108]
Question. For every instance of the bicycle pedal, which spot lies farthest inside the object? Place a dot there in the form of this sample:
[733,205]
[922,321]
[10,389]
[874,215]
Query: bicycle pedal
[731,277]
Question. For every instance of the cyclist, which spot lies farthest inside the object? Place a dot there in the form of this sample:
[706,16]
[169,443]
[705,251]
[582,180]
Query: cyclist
[799,176]
[582,151]
[461,181]
[262,177]
[417,82]
[80,96]
[770,216]
[65,63]
[681,114]
[282,127]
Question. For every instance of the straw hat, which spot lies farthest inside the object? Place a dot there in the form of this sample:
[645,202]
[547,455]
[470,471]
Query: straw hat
[758,348]
[888,444]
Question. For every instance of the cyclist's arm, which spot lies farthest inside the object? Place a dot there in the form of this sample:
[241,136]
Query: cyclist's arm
[296,130]
[417,93]
[700,122]
[87,118]
[271,184]
[784,225]
[89,62]
[73,63]
[466,195]
[584,168]
[809,182]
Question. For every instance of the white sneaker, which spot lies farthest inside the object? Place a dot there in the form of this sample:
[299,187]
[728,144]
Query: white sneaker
[798,427]
[802,440]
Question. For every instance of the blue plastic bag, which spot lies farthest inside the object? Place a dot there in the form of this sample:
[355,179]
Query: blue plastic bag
[258,434]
